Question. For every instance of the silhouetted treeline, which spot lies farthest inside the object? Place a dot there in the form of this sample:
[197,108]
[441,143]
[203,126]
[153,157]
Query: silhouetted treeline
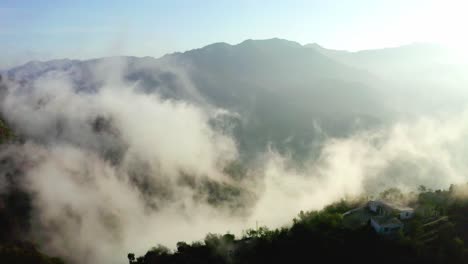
[321,237]
[24,253]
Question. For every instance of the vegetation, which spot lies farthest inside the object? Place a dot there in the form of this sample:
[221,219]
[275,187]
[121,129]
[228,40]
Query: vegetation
[437,234]
[15,208]
[24,253]
[5,132]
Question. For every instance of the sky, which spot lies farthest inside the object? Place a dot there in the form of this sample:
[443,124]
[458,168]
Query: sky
[49,29]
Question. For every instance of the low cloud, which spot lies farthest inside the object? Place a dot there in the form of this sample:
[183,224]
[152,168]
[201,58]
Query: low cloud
[118,169]
[424,151]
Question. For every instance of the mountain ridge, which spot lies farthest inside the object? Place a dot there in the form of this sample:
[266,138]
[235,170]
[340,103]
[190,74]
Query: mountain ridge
[308,45]
[338,91]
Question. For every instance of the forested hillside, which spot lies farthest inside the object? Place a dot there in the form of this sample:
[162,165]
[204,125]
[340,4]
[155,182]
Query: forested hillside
[323,236]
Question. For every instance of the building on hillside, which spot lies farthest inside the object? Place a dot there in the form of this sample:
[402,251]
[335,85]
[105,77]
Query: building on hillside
[385,209]
[405,212]
[386,225]
[380,208]
[385,218]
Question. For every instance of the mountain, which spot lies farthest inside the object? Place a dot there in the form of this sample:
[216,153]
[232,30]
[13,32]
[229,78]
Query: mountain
[83,153]
[399,59]
[283,90]
[283,94]
[419,77]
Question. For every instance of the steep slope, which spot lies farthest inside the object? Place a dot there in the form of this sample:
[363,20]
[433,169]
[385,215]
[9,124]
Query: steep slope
[283,90]
[284,94]
[396,60]
[417,78]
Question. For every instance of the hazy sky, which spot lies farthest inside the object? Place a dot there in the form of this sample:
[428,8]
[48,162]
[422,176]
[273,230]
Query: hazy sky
[45,29]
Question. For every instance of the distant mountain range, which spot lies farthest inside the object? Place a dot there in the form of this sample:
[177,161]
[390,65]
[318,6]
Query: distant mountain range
[285,94]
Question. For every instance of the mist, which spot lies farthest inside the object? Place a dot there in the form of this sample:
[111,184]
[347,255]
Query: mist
[119,169]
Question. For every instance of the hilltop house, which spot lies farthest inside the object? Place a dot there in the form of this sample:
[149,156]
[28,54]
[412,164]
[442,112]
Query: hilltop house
[406,212]
[386,224]
[387,220]
[383,208]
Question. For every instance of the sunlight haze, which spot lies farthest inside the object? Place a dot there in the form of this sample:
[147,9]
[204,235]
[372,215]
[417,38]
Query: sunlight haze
[49,29]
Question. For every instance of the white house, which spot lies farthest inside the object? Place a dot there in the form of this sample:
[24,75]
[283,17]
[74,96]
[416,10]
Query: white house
[386,225]
[406,212]
[385,209]
[380,207]
[373,206]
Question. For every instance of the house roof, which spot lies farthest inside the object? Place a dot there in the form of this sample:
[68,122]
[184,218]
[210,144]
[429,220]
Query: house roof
[403,208]
[393,206]
[387,220]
